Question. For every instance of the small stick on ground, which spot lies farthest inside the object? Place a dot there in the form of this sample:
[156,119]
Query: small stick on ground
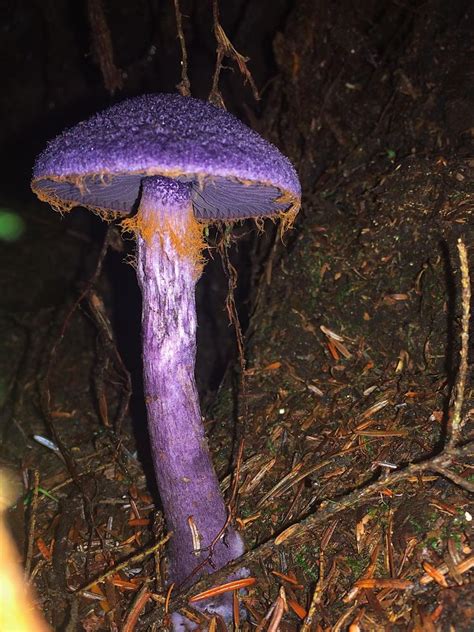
[32,524]
[322,581]
[316,599]
[454,433]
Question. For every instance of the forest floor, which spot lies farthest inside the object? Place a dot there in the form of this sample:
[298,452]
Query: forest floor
[352,354]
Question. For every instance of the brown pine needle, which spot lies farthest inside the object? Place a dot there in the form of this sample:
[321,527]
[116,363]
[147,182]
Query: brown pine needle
[291,580]
[460,568]
[435,574]
[297,608]
[168,596]
[136,609]
[396,584]
[223,588]
[236,610]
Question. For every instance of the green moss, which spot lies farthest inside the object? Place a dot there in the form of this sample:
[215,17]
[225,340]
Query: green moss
[368,446]
[424,524]
[305,558]
[271,447]
[357,564]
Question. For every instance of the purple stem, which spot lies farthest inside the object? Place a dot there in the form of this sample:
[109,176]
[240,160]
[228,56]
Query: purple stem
[187,482]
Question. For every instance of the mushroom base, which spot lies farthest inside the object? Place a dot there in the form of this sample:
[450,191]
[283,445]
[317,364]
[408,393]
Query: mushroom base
[193,505]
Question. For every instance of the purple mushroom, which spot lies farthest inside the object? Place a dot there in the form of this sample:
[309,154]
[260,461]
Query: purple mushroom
[171,164]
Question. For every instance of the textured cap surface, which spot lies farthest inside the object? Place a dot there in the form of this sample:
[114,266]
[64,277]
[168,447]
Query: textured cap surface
[99,163]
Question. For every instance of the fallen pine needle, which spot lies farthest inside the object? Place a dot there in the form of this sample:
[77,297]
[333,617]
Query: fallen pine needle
[297,609]
[331,334]
[272,367]
[44,549]
[291,580]
[223,588]
[236,610]
[126,585]
[168,597]
[332,350]
[136,609]
[286,534]
[381,433]
[435,574]
[444,507]
[397,584]
[461,568]
[280,608]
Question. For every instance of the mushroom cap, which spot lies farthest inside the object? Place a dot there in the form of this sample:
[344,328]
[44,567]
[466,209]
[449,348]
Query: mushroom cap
[234,173]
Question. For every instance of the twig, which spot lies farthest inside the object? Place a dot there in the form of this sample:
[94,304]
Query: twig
[316,599]
[455,478]
[207,561]
[456,421]
[225,48]
[131,560]
[184,86]
[322,580]
[32,523]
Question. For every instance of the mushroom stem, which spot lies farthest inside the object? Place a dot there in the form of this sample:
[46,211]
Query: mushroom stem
[190,494]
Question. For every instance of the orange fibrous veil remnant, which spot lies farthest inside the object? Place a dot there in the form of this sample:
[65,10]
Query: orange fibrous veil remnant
[185,235]
[58,205]
[64,206]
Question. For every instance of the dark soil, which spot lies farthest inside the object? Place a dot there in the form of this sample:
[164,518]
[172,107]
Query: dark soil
[352,321]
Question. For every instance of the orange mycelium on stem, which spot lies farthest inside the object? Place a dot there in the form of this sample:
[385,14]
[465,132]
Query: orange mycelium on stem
[187,240]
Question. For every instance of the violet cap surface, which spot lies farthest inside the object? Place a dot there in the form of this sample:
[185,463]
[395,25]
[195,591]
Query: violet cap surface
[234,173]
